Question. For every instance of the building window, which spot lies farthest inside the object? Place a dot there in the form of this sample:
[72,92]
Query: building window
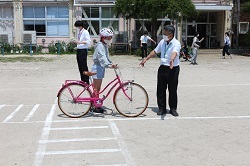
[6,19]
[47,21]
[6,12]
[95,18]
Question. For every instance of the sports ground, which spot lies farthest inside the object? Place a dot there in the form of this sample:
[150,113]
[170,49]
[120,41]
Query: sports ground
[212,129]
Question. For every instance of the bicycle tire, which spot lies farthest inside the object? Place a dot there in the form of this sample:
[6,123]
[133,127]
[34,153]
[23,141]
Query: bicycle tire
[67,104]
[139,101]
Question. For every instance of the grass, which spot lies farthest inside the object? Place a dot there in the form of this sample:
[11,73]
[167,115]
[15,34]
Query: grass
[26,59]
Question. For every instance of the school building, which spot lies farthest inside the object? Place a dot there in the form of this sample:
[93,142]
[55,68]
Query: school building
[43,21]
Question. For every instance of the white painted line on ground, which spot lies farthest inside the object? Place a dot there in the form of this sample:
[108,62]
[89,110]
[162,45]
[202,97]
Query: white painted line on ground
[82,151]
[15,83]
[139,119]
[1,106]
[31,113]
[10,105]
[80,128]
[128,157]
[13,113]
[77,140]
[45,135]
[12,89]
[208,85]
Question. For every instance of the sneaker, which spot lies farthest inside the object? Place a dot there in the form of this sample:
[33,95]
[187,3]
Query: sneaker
[98,110]
[161,112]
[173,112]
[195,63]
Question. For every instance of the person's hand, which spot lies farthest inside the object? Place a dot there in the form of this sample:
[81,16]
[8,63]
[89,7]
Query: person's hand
[114,66]
[141,45]
[155,42]
[143,62]
[171,64]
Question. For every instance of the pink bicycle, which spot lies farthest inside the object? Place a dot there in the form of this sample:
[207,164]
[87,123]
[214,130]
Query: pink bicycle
[76,98]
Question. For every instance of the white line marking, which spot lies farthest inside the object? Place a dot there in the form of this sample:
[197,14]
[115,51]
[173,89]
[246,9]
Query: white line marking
[12,89]
[122,144]
[77,140]
[82,151]
[26,104]
[29,83]
[32,112]
[79,128]
[13,113]
[139,119]
[45,135]
[1,106]
[208,85]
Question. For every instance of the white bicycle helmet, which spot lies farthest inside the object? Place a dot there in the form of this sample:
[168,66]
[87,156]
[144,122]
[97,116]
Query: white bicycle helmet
[106,32]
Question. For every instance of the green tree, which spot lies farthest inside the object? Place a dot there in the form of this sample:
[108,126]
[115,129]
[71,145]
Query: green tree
[246,6]
[153,9]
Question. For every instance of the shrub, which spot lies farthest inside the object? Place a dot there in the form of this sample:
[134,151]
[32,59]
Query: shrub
[71,47]
[52,48]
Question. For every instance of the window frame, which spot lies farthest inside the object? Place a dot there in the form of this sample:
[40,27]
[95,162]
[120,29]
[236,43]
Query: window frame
[47,19]
[100,19]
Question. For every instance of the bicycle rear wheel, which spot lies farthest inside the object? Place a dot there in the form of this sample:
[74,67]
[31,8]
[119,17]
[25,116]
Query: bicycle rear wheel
[67,103]
[136,101]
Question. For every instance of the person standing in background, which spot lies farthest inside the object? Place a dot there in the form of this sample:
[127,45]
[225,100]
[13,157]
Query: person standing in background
[144,44]
[226,46]
[195,46]
[83,42]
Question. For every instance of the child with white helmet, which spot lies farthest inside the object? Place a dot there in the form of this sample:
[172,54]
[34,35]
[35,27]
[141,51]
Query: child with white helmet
[101,60]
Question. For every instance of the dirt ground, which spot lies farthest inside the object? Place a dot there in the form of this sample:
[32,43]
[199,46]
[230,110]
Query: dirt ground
[212,129]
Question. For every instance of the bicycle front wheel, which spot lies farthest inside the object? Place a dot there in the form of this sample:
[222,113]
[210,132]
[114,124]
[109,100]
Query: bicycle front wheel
[131,99]
[69,100]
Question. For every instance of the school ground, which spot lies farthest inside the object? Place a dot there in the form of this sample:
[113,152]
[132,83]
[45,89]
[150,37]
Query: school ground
[212,129]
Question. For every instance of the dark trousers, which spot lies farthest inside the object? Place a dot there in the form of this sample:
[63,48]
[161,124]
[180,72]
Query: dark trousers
[144,50]
[225,50]
[167,79]
[81,57]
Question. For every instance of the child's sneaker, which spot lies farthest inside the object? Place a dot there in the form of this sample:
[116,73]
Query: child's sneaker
[98,110]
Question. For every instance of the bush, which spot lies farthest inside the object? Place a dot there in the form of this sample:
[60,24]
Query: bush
[71,47]
[7,47]
[39,49]
[52,48]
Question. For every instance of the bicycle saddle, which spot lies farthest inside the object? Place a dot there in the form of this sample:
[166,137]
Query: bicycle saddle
[89,73]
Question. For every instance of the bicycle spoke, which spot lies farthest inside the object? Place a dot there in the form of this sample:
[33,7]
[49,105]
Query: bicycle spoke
[73,107]
[133,101]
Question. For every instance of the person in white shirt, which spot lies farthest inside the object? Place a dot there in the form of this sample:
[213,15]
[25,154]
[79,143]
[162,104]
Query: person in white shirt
[83,42]
[195,46]
[144,44]
[226,46]
[168,72]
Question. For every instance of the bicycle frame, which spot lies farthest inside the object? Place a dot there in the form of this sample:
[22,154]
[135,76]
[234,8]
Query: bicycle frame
[97,102]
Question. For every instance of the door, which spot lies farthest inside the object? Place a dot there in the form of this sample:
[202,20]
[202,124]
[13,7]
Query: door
[202,29]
